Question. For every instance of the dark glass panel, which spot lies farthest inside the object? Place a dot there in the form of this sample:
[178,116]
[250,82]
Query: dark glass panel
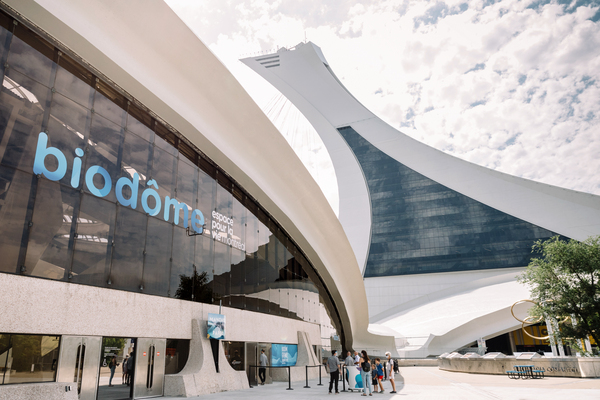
[206,198]
[128,251]
[32,56]
[187,151]
[140,122]
[234,353]
[22,105]
[239,222]
[187,177]
[168,141]
[34,359]
[72,86]
[137,158]
[104,151]
[182,267]
[238,277]
[50,240]
[137,127]
[164,172]
[109,103]
[176,355]
[4,349]
[157,262]
[203,260]
[93,243]
[221,272]
[71,116]
[15,192]
[421,226]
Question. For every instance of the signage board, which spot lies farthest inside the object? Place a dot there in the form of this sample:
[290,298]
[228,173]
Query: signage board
[284,355]
[216,326]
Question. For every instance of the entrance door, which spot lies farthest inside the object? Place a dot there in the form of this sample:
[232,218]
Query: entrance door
[149,370]
[267,348]
[252,359]
[79,362]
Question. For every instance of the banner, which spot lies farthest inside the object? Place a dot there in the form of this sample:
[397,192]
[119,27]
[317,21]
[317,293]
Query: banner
[216,326]
[284,355]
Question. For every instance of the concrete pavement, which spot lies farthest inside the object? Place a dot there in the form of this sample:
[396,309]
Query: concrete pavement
[425,383]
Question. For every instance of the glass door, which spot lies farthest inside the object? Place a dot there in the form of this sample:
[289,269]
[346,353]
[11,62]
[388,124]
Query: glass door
[149,372]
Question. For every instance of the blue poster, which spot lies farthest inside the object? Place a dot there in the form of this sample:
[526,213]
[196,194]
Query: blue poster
[284,355]
[216,326]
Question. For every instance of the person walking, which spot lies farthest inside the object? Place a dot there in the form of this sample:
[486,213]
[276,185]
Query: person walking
[392,367]
[334,371]
[365,373]
[130,367]
[124,368]
[112,366]
[262,370]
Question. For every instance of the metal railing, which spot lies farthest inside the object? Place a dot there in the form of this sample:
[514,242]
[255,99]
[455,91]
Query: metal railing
[312,366]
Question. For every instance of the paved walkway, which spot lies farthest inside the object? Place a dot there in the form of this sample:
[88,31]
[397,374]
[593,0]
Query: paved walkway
[432,383]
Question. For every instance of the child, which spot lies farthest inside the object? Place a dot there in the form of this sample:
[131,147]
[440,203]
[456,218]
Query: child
[374,375]
[379,374]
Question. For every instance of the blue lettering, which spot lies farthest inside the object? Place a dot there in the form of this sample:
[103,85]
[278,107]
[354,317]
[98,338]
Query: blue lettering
[151,192]
[176,207]
[198,221]
[76,169]
[89,181]
[131,183]
[41,152]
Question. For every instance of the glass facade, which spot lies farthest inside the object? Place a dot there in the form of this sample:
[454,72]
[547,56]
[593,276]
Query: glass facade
[420,226]
[28,358]
[95,191]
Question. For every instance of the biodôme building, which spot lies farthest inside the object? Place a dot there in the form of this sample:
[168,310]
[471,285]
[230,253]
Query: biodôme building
[140,190]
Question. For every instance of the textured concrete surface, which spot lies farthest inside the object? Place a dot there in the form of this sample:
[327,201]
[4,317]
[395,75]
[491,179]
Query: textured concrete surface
[565,367]
[200,376]
[424,383]
[45,391]
[32,305]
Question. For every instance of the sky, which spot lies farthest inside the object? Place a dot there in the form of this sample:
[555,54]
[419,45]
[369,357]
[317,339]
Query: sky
[509,85]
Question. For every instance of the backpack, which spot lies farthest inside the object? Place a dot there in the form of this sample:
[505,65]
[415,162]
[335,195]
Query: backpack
[366,366]
[395,366]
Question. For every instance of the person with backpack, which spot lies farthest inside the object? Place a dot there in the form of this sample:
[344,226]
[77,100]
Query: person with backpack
[392,369]
[365,373]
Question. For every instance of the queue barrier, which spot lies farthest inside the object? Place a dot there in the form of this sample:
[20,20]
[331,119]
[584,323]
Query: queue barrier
[268,366]
[306,369]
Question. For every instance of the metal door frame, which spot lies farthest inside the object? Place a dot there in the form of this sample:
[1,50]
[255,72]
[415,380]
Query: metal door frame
[69,364]
[149,372]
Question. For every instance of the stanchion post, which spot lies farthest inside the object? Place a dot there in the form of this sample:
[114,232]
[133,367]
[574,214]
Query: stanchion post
[306,387]
[320,384]
[343,378]
[289,379]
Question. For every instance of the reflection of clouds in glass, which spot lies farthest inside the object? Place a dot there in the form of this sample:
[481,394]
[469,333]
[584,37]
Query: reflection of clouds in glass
[20,91]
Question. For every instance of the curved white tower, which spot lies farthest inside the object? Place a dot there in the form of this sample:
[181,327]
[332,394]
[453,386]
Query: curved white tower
[439,240]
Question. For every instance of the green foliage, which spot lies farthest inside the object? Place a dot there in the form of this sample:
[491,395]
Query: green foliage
[565,283]
[119,343]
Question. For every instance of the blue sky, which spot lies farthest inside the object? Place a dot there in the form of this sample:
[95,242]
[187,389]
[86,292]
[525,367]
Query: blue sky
[510,85]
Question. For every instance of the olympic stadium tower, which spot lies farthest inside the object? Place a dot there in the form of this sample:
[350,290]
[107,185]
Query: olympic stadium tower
[439,241]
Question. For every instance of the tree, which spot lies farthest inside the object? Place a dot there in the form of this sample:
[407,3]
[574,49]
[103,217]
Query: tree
[565,284]
[195,287]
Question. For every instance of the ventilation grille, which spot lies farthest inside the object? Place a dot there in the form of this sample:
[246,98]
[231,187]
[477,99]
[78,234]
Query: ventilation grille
[269,61]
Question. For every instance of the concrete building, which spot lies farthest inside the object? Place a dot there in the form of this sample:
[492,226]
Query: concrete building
[438,240]
[141,189]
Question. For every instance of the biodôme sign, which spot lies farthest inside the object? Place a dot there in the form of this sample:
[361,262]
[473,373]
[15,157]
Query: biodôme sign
[222,226]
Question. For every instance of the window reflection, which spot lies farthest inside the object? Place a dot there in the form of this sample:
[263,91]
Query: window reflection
[28,358]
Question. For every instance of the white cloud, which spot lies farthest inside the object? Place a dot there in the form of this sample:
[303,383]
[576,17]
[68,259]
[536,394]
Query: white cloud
[513,85]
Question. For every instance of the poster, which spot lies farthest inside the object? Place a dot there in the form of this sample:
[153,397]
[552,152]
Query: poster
[216,326]
[284,355]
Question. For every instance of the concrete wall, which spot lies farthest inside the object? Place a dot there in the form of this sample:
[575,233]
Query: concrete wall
[41,391]
[568,367]
[40,306]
